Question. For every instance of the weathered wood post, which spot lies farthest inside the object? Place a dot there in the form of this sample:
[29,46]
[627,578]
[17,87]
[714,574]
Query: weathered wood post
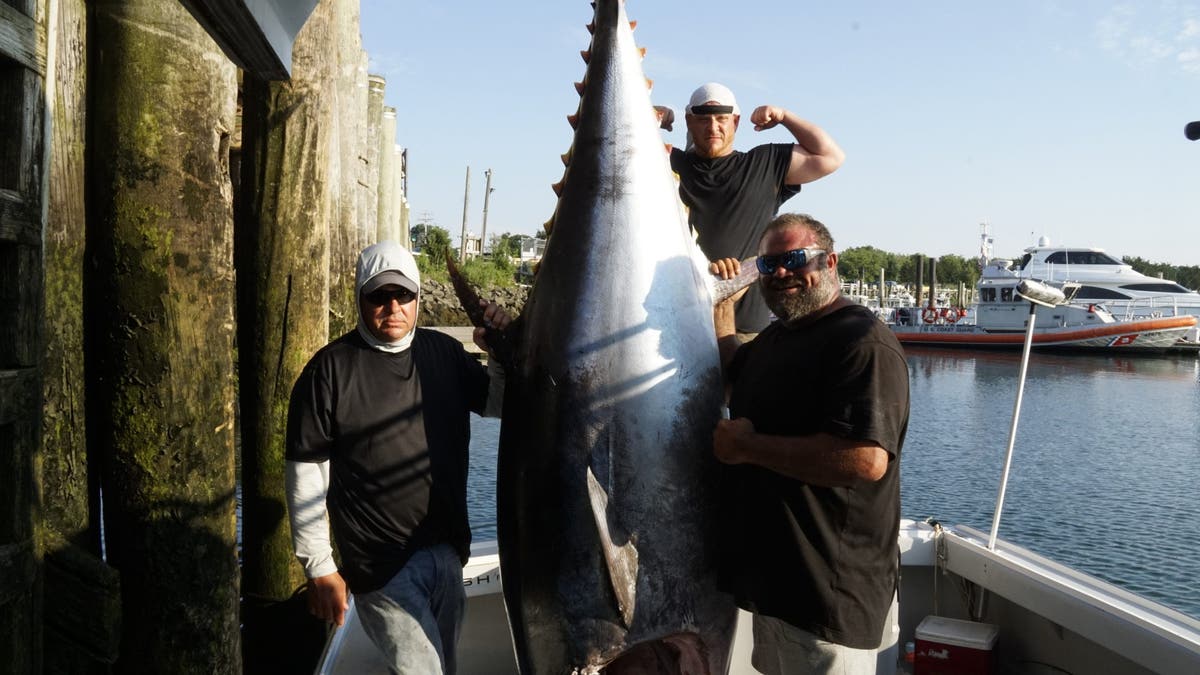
[81,593]
[283,310]
[23,85]
[369,221]
[388,225]
[159,301]
[350,115]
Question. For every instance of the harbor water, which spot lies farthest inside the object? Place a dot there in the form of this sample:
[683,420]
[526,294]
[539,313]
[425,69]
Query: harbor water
[1105,464]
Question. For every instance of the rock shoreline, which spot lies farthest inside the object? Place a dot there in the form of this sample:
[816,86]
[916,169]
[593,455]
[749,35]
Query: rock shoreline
[440,306]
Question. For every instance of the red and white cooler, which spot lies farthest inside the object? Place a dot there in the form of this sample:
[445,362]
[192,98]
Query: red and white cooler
[954,647]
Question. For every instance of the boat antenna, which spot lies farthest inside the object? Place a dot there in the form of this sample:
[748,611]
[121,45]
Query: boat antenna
[1036,293]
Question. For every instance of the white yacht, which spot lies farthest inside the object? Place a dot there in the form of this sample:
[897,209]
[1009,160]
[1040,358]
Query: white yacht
[1103,278]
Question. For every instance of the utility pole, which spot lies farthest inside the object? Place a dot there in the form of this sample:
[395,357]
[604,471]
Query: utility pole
[462,242]
[487,192]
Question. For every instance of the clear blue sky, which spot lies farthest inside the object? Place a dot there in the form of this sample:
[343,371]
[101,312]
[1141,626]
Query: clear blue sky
[1060,119]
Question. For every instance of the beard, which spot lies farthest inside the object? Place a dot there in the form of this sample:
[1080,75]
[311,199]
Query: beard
[791,307]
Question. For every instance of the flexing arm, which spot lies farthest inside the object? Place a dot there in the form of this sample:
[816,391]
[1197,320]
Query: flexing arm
[815,153]
[818,459]
[307,484]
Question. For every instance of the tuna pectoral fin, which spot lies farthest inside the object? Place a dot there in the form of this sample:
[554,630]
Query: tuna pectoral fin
[622,560]
[724,288]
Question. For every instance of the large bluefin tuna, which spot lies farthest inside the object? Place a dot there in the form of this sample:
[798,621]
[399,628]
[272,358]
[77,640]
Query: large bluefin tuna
[606,480]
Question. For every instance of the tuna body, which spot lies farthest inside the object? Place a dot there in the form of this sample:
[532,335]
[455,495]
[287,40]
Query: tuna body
[607,483]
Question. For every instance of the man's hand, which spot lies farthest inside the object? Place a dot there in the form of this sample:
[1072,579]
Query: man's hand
[666,117]
[728,438]
[495,317]
[766,116]
[725,268]
[327,598]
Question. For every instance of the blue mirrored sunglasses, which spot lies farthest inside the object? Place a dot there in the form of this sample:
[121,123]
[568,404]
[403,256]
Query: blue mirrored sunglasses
[789,260]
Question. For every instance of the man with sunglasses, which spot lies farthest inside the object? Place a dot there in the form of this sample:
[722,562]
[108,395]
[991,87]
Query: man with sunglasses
[819,410]
[377,441]
[731,195]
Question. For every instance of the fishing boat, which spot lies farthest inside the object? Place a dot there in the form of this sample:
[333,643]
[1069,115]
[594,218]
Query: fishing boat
[1002,315]
[960,599]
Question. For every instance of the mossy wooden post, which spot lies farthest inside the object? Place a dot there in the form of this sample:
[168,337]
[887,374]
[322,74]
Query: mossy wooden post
[23,83]
[81,593]
[160,301]
[283,308]
[387,227]
[350,113]
[369,221]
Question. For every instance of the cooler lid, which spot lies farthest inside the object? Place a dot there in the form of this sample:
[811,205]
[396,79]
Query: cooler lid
[957,632]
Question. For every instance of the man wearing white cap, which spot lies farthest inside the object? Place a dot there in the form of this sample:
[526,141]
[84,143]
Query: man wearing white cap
[732,195]
[377,442]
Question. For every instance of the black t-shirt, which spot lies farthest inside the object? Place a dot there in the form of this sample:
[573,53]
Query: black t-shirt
[822,559]
[395,429]
[730,200]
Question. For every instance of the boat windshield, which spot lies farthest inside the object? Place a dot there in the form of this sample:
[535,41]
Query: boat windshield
[1081,258]
[1159,287]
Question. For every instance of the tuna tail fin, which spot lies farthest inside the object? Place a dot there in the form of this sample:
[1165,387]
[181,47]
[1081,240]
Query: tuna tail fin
[498,340]
[725,288]
[622,560]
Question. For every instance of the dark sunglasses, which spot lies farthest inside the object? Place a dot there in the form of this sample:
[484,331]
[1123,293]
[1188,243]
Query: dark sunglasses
[789,260]
[382,296]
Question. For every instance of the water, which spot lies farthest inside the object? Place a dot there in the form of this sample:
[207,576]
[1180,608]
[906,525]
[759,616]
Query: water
[1105,463]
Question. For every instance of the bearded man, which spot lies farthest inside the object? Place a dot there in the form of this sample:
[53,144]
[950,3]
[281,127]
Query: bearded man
[819,410]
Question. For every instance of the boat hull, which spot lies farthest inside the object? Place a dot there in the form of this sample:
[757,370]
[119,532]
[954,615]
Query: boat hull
[1125,336]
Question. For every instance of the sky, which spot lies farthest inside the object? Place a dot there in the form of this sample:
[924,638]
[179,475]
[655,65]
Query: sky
[1039,118]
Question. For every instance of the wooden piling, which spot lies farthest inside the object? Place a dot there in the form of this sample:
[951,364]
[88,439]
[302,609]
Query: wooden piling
[23,84]
[81,617]
[350,114]
[159,304]
[284,212]
[388,226]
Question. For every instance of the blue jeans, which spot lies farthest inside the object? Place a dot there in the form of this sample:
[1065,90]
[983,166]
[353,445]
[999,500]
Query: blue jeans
[416,618]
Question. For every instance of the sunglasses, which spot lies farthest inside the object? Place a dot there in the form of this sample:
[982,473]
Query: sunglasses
[382,296]
[789,260]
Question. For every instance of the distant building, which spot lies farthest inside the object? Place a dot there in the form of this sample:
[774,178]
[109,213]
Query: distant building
[532,249]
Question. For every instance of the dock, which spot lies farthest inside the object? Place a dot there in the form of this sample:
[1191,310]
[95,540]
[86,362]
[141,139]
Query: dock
[462,334]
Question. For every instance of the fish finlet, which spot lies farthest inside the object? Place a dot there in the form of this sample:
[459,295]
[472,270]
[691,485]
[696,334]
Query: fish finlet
[633,25]
[574,120]
[642,52]
[586,54]
[557,187]
[592,28]
[579,88]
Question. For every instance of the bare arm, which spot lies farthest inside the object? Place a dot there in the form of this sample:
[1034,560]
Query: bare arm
[817,459]
[723,312]
[815,153]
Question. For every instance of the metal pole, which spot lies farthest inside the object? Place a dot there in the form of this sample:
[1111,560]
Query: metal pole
[487,192]
[462,240]
[1037,294]
[1012,430]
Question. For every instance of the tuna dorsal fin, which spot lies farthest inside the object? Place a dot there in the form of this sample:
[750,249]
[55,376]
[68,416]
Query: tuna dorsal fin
[622,560]
[724,288]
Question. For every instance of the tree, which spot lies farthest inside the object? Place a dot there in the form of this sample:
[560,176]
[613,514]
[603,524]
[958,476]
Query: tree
[436,245]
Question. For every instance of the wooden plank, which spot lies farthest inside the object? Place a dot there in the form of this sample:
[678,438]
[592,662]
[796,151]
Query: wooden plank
[21,40]
[463,334]
[17,394]
[15,223]
[82,601]
[17,570]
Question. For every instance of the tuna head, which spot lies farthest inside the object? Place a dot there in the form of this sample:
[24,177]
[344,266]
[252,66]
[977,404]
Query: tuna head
[606,481]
